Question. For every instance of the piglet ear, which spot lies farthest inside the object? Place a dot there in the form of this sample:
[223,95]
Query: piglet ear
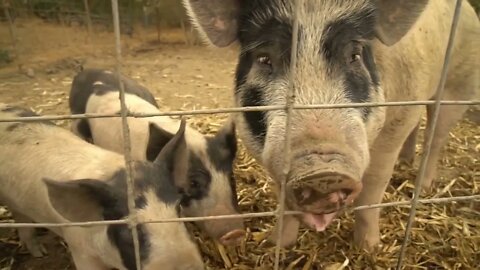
[174,156]
[79,200]
[226,137]
[216,20]
[396,18]
[157,139]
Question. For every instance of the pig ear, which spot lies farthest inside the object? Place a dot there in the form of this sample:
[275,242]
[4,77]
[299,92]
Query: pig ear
[79,200]
[216,20]
[174,156]
[226,137]
[157,139]
[396,18]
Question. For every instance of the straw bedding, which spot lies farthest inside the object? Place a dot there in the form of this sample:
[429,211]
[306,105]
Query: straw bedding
[445,236]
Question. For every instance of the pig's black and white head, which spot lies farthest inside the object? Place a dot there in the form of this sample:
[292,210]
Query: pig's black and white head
[339,46]
[210,187]
[162,246]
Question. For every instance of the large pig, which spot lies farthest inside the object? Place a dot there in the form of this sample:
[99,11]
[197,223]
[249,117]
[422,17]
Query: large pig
[209,170]
[348,51]
[50,175]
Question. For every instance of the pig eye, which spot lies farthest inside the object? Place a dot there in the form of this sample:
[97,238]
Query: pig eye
[355,53]
[264,60]
[194,184]
[355,57]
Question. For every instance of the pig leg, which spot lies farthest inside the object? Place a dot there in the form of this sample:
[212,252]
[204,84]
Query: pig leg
[28,238]
[384,154]
[407,154]
[447,119]
[291,225]
[375,181]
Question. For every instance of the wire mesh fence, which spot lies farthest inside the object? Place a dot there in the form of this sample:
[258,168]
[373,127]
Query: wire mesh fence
[289,107]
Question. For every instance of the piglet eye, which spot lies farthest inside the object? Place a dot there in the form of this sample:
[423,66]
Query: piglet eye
[355,57]
[264,60]
[194,184]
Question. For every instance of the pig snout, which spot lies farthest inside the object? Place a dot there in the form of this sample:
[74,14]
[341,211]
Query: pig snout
[328,159]
[232,238]
[321,183]
[228,231]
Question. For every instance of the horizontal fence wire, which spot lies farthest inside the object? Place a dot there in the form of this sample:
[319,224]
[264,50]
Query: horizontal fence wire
[240,109]
[244,216]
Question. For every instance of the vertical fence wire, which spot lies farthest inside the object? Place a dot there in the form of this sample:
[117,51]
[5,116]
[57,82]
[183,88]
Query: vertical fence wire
[11,26]
[290,99]
[132,218]
[426,154]
[88,18]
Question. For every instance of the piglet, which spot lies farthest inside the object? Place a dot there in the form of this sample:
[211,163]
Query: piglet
[49,175]
[208,175]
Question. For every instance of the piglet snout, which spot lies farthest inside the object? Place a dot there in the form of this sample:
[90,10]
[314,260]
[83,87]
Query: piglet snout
[228,231]
[232,238]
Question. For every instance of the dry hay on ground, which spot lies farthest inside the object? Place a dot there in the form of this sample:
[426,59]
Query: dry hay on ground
[445,236]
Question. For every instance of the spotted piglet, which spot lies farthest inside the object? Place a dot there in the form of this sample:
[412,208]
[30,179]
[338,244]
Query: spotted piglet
[49,175]
[210,187]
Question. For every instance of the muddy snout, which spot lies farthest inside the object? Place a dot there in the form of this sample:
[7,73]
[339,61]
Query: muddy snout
[323,183]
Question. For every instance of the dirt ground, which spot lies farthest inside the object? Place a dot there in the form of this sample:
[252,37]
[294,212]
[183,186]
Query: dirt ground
[181,77]
[192,77]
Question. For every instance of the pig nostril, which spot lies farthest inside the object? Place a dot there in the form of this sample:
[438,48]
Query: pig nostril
[306,193]
[344,193]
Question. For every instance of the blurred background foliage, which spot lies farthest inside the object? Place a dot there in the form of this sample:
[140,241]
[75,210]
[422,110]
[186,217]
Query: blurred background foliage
[133,13]
[156,13]
[145,13]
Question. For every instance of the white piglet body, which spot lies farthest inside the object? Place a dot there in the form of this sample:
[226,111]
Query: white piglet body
[107,132]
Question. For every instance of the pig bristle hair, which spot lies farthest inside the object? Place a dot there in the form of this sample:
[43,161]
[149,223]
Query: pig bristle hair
[331,11]
[309,61]
[251,46]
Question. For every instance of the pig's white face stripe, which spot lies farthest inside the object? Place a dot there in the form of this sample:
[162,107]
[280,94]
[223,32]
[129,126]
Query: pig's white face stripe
[154,210]
[98,83]
[167,240]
